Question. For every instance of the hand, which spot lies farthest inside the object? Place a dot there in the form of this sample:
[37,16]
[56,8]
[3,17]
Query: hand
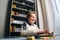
[46,31]
[42,31]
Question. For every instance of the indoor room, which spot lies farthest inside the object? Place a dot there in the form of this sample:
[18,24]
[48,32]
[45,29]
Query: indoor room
[29,19]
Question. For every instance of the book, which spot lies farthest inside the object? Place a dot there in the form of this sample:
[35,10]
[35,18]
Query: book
[12,13]
[13,5]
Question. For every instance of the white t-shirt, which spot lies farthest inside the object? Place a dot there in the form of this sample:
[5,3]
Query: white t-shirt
[29,30]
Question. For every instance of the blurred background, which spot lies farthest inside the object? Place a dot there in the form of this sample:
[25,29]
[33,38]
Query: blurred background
[48,16]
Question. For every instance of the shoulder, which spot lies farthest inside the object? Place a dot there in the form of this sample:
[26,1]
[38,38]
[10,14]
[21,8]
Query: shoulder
[23,26]
[35,25]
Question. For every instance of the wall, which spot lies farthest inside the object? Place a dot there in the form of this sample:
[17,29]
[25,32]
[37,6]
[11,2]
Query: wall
[3,6]
[57,19]
[57,27]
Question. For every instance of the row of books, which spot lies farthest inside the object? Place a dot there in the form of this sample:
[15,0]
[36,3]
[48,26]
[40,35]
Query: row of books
[17,14]
[24,7]
[16,21]
[14,29]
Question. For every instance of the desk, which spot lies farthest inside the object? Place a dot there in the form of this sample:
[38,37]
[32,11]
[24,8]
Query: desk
[23,38]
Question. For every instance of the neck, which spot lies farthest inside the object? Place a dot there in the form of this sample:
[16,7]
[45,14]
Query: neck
[29,22]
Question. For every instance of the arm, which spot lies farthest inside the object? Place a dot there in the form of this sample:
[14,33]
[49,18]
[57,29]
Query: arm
[41,31]
[26,32]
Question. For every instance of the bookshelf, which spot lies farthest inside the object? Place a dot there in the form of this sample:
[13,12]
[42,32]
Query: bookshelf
[17,10]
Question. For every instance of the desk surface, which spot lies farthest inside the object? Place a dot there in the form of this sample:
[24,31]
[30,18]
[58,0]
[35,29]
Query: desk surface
[23,38]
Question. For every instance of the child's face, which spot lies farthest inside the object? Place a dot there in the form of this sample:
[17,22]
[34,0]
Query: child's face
[32,18]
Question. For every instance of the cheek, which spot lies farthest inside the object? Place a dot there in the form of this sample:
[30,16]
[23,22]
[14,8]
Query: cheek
[33,19]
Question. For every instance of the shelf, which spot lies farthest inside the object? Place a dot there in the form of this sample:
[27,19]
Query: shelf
[30,3]
[24,5]
[18,22]
[14,24]
[19,15]
[19,9]
[15,34]
[22,11]
[22,15]
[26,2]
[19,18]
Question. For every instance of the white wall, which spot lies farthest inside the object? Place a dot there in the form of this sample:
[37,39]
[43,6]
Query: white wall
[57,16]
[57,19]
[57,25]
[3,6]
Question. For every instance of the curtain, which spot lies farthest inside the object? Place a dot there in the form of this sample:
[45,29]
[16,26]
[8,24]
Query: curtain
[46,14]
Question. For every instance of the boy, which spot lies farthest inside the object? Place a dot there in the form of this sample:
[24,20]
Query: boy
[29,28]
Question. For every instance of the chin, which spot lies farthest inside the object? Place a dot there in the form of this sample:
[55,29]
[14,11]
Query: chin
[32,22]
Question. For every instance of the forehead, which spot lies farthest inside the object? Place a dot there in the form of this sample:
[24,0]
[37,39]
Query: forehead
[32,14]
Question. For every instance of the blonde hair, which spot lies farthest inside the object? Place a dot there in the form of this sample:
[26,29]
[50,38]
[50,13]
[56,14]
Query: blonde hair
[31,12]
